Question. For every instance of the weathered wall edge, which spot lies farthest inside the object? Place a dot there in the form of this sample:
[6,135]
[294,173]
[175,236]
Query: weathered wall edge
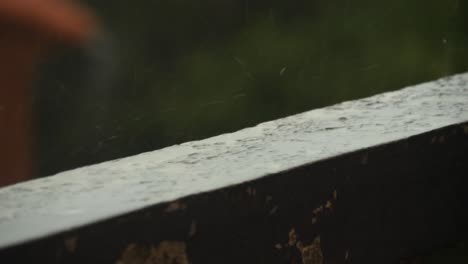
[75,198]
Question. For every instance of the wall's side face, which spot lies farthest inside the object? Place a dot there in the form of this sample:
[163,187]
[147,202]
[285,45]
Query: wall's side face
[364,181]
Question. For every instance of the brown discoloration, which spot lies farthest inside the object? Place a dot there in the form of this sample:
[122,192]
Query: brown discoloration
[292,237]
[134,253]
[433,140]
[312,253]
[174,207]
[299,245]
[329,204]
[167,252]
[465,129]
[71,244]
[318,210]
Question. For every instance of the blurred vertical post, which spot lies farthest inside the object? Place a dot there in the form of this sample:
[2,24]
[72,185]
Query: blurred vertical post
[28,28]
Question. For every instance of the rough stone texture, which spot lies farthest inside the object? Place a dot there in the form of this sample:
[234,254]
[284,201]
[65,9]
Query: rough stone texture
[74,199]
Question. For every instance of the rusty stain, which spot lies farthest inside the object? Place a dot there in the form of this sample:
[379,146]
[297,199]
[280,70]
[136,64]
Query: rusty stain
[292,237]
[312,253]
[299,245]
[71,243]
[134,254]
[318,210]
[167,252]
[364,159]
[328,206]
[465,129]
[433,140]
[441,139]
[175,206]
[193,228]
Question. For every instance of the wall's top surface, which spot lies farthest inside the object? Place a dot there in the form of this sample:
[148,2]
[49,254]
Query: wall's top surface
[70,199]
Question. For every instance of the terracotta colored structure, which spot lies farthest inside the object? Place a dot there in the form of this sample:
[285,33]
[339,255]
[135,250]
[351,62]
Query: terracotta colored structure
[27,29]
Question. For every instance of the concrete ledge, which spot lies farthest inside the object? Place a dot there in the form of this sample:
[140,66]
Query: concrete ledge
[363,181]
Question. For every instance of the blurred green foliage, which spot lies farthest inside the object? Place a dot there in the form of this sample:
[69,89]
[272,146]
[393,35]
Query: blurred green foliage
[193,69]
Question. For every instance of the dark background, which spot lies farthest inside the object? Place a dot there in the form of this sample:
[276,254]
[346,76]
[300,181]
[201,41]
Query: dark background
[183,70]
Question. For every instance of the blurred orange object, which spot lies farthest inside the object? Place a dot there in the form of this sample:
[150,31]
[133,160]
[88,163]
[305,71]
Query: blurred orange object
[27,28]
